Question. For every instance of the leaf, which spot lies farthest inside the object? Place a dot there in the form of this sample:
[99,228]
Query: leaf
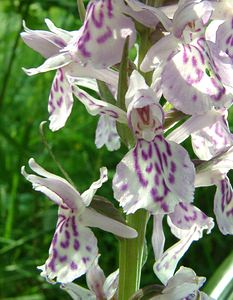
[147,292]
[105,207]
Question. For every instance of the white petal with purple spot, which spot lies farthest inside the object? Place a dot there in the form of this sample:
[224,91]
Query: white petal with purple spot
[99,107]
[223,206]
[95,279]
[158,237]
[52,63]
[212,140]
[77,292]
[72,251]
[154,175]
[60,101]
[190,84]
[164,267]
[89,194]
[104,32]
[106,134]
[185,216]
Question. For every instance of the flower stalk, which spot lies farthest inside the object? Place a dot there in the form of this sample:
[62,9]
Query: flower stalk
[131,256]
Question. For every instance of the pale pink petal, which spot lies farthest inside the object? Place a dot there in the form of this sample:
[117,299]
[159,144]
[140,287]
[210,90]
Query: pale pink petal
[185,216]
[60,189]
[219,37]
[154,175]
[111,285]
[223,206]
[189,83]
[145,114]
[92,218]
[44,42]
[106,134]
[104,32]
[193,124]
[61,33]
[169,10]
[222,9]
[189,11]
[148,15]
[76,70]
[52,63]
[77,292]
[60,101]
[212,140]
[159,53]
[99,107]
[164,267]
[158,237]
[183,284]
[215,170]
[72,251]
[89,194]
[95,279]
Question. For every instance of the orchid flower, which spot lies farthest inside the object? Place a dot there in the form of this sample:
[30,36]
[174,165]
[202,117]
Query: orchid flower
[188,75]
[74,246]
[152,173]
[214,144]
[100,287]
[184,285]
[187,223]
[160,167]
[51,44]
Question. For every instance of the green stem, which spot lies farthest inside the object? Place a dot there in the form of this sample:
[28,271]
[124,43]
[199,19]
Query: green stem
[131,256]
[220,284]
[11,208]
[145,45]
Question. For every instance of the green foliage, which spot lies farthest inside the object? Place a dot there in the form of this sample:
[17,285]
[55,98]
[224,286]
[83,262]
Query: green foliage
[27,218]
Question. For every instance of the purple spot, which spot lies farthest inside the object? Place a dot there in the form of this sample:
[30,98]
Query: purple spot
[150,151]
[85,259]
[194,98]
[124,187]
[65,244]
[158,169]
[54,241]
[185,56]
[67,234]
[168,148]
[110,8]
[55,85]
[183,206]
[165,159]
[165,207]
[173,167]
[171,178]
[61,77]
[142,180]
[59,102]
[63,258]
[194,61]
[88,248]
[61,90]
[156,179]
[60,43]
[144,155]
[165,188]
[149,168]
[76,245]
[74,226]
[73,266]
[104,37]
[97,20]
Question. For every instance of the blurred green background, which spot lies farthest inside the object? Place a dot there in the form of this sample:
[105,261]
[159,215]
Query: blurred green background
[27,218]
